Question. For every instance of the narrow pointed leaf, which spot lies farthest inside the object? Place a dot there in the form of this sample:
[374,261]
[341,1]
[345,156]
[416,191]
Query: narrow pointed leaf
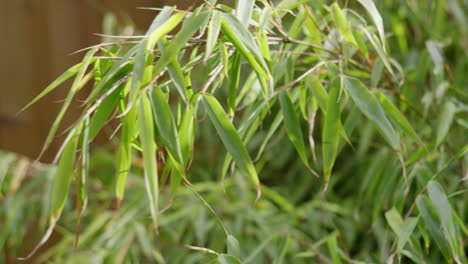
[102,113]
[62,78]
[445,121]
[230,138]
[293,126]
[213,33]
[148,145]
[342,24]
[371,108]
[234,74]
[166,124]
[370,7]
[124,152]
[330,135]
[64,176]
[396,115]
[77,84]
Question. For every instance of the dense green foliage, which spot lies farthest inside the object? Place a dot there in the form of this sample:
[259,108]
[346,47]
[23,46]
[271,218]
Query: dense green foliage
[296,132]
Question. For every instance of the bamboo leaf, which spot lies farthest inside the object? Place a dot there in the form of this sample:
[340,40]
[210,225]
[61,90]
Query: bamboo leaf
[444,211]
[234,74]
[370,7]
[293,126]
[64,176]
[393,111]
[432,225]
[102,113]
[230,138]
[175,72]
[77,84]
[166,125]
[213,32]
[242,38]
[62,78]
[330,134]
[342,24]
[124,152]
[371,108]
[445,121]
[244,10]
[148,145]
[191,26]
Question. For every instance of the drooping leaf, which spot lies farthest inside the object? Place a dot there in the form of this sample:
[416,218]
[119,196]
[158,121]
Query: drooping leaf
[370,7]
[64,176]
[62,78]
[330,134]
[148,145]
[76,86]
[444,211]
[213,32]
[102,113]
[371,108]
[124,152]
[396,115]
[342,24]
[230,138]
[234,74]
[166,126]
[293,126]
[445,121]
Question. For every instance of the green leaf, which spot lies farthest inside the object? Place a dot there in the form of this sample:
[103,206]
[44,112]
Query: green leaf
[144,58]
[124,152]
[234,74]
[82,181]
[233,247]
[64,175]
[166,126]
[293,126]
[432,225]
[342,24]
[191,26]
[445,121]
[444,211]
[243,40]
[330,135]
[76,86]
[244,10]
[333,247]
[370,7]
[322,98]
[175,72]
[393,111]
[371,108]
[230,138]
[228,259]
[213,32]
[62,78]
[406,231]
[103,112]
[148,145]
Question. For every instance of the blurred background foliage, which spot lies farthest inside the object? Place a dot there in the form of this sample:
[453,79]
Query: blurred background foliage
[358,220]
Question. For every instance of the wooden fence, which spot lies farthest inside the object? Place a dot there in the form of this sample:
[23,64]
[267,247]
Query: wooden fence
[37,37]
